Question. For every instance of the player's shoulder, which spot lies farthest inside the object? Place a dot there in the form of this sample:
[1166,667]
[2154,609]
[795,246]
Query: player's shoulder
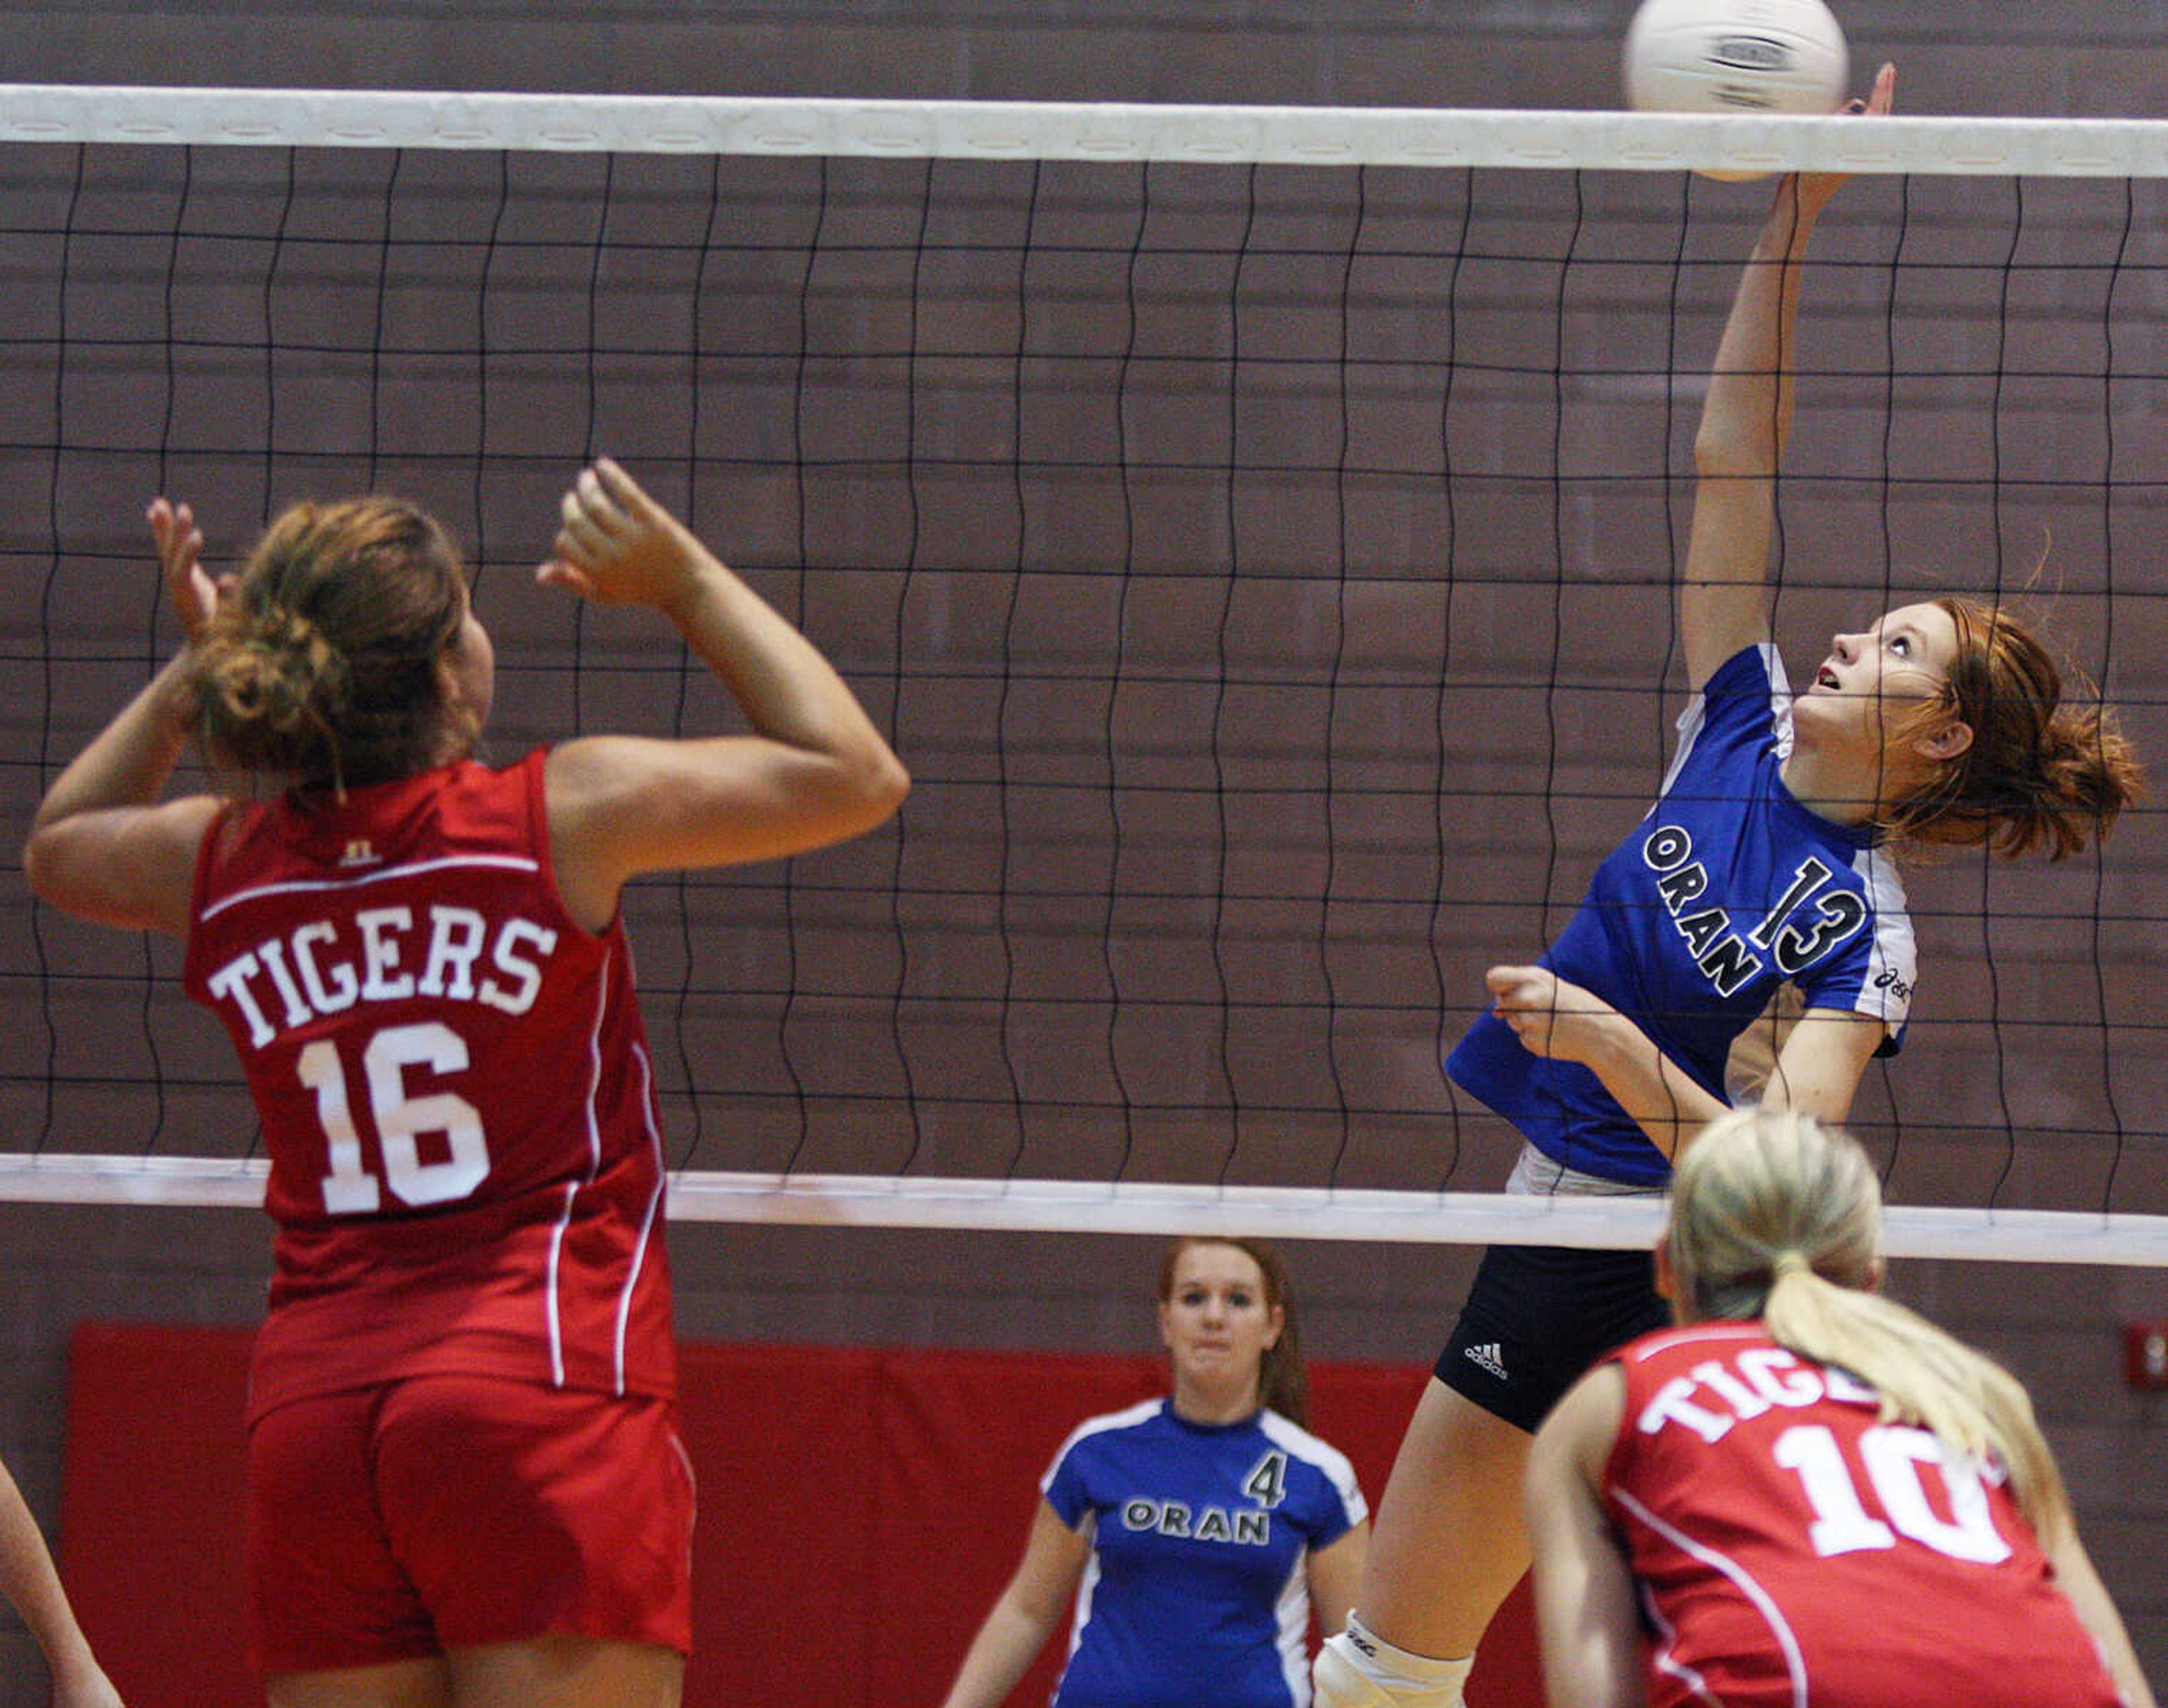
[1694,1339]
[1297,1442]
[1337,1484]
[1756,670]
[1747,694]
[1110,1429]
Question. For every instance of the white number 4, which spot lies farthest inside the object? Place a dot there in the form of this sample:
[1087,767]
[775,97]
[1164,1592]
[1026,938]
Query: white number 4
[399,1120]
[1267,1483]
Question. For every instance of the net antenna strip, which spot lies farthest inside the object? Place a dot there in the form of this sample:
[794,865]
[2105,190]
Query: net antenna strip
[1302,136]
[1128,1208]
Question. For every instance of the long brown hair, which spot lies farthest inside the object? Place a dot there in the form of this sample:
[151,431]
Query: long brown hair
[1775,1215]
[322,667]
[1283,1384]
[2047,768]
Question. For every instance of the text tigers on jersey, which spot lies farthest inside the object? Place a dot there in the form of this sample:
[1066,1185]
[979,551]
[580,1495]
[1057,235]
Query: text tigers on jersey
[456,954]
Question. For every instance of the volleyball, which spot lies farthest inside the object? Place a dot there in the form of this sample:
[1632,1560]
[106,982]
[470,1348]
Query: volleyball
[1735,57]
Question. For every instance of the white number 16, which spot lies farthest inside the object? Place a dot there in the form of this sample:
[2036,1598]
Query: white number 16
[399,1120]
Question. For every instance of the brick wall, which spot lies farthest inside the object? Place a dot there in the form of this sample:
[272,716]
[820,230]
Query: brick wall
[1999,1054]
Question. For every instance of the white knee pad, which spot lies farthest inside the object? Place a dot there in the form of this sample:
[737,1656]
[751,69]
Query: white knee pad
[1358,1669]
[1337,1679]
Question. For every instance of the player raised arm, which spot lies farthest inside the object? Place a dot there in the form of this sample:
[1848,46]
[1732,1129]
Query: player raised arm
[102,844]
[813,770]
[1724,598]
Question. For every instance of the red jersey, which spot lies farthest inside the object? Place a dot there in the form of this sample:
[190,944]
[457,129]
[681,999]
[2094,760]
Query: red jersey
[455,1086]
[1792,1549]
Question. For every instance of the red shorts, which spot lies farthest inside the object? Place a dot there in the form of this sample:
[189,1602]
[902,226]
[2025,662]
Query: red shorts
[443,1512]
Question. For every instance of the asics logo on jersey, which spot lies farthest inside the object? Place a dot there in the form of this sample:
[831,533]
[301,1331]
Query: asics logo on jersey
[1490,1356]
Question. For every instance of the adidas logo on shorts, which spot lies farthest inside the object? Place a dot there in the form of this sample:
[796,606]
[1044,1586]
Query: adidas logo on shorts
[1490,1357]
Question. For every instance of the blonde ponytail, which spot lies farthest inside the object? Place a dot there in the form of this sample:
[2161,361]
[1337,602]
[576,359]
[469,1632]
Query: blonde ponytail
[1777,1215]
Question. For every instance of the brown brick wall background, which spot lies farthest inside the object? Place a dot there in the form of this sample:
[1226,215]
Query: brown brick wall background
[1283,840]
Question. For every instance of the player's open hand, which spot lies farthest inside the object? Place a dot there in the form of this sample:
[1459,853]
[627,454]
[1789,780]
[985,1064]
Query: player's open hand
[195,595]
[616,546]
[1812,190]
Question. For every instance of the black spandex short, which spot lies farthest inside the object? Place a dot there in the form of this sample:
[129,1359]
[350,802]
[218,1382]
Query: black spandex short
[1538,1317]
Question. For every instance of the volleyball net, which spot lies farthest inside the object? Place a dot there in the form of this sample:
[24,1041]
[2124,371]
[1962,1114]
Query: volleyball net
[1254,528]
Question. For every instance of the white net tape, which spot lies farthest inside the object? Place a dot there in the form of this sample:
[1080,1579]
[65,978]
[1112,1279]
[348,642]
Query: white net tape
[1084,131]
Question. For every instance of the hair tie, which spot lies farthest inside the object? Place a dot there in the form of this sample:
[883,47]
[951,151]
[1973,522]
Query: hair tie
[1788,1262]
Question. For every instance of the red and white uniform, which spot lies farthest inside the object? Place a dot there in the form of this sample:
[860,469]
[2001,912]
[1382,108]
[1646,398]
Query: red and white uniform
[454,1086]
[1792,1550]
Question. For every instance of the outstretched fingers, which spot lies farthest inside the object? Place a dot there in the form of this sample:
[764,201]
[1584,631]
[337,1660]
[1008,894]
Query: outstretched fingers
[195,595]
[1814,189]
[590,531]
[1883,96]
[590,527]
[626,493]
[605,512]
[615,544]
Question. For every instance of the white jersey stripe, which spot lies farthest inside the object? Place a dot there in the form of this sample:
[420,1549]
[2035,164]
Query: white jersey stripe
[648,1220]
[1293,1612]
[1085,1585]
[555,1304]
[501,862]
[1788,1642]
[551,1315]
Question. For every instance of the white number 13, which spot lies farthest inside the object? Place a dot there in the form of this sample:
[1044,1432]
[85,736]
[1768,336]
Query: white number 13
[400,1119]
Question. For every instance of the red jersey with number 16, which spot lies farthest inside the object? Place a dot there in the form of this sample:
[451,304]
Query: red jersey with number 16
[1791,1548]
[455,1086]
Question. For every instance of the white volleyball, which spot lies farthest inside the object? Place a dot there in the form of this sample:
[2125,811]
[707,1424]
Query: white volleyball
[1735,56]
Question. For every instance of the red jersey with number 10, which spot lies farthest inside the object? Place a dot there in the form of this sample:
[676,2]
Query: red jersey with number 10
[1793,1549]
[454,1086]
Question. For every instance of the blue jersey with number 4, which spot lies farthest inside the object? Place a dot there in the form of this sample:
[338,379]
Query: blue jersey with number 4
[1197,1592]
[1727,889]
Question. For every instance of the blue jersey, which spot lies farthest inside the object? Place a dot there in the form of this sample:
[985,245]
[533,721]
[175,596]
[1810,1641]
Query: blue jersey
[1196,1592]
[1729,888]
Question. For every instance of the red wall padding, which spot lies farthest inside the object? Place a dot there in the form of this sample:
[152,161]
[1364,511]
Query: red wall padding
[860,1510]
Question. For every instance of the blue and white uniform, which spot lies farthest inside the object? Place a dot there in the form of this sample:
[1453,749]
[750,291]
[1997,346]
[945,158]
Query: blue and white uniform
[1196,1592]
[1729,888]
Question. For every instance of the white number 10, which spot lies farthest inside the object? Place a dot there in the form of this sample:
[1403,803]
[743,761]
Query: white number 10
[1893,1455]
[399,1120]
